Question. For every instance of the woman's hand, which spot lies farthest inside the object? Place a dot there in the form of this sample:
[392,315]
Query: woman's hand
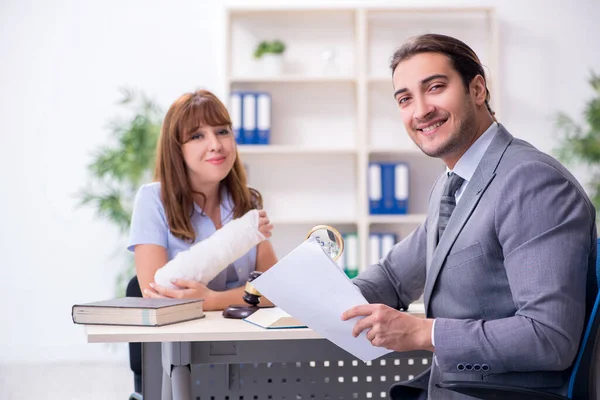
[186,289]
[264,226]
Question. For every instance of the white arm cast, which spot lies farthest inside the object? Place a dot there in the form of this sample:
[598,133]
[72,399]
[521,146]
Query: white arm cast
[206,259]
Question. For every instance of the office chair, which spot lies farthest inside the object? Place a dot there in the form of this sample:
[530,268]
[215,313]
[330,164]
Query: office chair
[135,349]
[582,383]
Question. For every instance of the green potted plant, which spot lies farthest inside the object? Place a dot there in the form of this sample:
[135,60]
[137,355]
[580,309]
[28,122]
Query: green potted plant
[270,54]
[117,170]
[580,142]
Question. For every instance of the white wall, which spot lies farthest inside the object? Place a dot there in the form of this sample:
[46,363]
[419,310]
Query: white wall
[61,64]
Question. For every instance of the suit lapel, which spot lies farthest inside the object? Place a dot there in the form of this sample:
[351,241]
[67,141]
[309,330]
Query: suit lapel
[483,176]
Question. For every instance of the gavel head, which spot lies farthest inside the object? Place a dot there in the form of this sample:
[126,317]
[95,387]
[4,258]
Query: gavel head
[251,295]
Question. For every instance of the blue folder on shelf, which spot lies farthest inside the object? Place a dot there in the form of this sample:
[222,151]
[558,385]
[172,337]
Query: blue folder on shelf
[380,244]
[235,111]
[251,117]
[388,188]
[263,118]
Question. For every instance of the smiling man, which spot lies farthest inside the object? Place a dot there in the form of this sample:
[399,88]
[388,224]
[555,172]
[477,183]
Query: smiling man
[502,257]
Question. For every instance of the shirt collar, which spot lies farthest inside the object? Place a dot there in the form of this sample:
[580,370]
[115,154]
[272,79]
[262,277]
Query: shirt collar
[467,164]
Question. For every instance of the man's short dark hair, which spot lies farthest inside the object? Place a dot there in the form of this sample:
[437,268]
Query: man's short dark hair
[463,58]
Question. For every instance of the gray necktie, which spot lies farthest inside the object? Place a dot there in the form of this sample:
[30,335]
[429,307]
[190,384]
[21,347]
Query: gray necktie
[448,202]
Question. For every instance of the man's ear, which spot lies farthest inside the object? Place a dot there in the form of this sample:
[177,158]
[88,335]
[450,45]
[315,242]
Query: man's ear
[478,90]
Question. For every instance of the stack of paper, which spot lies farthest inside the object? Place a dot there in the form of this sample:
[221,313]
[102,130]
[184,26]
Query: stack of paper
[309,286]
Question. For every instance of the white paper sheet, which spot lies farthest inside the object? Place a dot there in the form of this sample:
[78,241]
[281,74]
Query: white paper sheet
[309,286]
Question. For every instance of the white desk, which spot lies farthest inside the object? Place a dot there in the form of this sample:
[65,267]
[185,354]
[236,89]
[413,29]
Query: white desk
[216,340]
[211,328]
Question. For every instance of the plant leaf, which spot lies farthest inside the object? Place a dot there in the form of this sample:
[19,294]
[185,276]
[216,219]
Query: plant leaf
[119,168]
[580,143]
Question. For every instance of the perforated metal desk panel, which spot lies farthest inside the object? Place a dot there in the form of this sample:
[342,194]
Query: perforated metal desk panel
[235,360]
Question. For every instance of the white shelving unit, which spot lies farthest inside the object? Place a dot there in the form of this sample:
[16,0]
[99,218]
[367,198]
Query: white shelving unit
[330,120]
[292,150]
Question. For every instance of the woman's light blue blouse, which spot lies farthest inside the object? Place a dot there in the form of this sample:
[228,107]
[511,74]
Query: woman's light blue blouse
[149,226]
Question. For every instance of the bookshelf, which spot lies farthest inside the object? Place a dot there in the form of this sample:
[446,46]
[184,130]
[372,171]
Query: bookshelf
[333,111]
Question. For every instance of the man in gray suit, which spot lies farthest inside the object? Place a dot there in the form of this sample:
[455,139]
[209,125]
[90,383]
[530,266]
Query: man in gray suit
[503,255]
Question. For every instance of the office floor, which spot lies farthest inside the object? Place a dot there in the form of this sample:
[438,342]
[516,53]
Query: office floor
[98,381]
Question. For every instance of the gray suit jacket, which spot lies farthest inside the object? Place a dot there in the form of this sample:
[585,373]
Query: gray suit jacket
[507,281]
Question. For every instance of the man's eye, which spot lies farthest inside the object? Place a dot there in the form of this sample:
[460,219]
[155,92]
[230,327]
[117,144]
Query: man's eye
[403,100]
[435,87]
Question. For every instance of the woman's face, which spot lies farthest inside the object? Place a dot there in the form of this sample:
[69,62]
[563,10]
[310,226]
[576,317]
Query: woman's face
[209,154]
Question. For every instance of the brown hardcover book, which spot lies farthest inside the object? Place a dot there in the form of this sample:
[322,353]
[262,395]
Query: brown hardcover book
[137,311]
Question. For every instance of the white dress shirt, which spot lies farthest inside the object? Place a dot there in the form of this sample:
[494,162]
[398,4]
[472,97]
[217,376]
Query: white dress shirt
[465,168]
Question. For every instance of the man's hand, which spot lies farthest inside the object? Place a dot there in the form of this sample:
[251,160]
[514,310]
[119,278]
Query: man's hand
[390,328]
